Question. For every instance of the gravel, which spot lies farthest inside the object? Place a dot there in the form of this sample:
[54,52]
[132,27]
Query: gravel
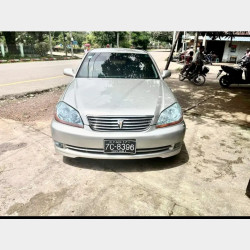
[31,107]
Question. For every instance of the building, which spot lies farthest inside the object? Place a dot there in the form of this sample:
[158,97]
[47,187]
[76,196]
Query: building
[227,50]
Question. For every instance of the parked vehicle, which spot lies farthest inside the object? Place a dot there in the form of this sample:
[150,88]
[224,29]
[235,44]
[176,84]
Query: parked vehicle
[208,59]
[235,75]
[197,76]
[181,57]
[118,106]
[175,57]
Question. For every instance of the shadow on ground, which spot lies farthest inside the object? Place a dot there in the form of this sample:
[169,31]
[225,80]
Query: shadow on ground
[226,104]
[144,165]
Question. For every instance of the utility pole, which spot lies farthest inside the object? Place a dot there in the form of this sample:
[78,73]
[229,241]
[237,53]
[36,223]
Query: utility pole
[196,39]
[183,41]
[172,50]
[117,37]
[176,46]
[174,34]
[50,44]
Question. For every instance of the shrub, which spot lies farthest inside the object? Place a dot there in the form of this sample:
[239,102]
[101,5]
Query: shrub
[42,48]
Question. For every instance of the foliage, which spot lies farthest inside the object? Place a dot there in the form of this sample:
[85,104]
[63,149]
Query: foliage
[162,36]
[90,38]
[80,37]
[10,38]
[102,38]
[140,39]
[42,48]
[2,39]
[24,37]
[125,43]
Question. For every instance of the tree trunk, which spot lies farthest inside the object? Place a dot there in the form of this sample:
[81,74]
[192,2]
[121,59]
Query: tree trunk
[10,38]
[117,41]
[40,36]
[172,50]
[50,44]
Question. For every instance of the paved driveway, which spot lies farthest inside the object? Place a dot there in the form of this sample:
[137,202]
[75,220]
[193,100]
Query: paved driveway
[20,78]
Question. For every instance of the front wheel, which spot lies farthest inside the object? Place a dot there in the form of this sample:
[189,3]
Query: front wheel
[199,80]
[224,81]
[181,77]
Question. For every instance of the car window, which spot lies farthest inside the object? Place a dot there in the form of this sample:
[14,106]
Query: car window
[117,65]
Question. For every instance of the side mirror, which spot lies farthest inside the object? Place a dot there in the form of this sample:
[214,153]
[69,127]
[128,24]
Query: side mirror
[69,72]
[166,74]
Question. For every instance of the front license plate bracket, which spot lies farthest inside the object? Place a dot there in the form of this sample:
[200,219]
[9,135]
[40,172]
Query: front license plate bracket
[117,146]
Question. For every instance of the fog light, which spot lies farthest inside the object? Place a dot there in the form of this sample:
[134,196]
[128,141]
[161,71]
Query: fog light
[59,144]
[177,145]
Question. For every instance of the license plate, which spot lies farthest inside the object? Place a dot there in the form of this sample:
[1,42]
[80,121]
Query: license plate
[114,146]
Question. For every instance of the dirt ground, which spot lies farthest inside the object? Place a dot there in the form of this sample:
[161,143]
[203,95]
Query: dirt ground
[31,107]
[230,105]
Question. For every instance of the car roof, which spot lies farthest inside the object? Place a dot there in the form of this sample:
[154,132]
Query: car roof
[119,50]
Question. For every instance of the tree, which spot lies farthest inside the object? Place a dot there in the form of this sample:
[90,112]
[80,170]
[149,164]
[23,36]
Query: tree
[42,48]
[140,39]
[24,37]
[102,38]
[10,38]
[162,36]
[80,37]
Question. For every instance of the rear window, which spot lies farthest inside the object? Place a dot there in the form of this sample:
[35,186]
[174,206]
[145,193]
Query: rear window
[117,65]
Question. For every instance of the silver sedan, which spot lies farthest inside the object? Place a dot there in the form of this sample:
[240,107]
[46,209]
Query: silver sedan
[118,106]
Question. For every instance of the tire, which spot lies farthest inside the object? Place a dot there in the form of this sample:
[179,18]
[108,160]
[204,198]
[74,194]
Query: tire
[181,77]
[224,81]
[199,80]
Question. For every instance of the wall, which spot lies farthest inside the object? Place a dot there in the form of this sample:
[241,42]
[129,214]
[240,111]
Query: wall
[240,50]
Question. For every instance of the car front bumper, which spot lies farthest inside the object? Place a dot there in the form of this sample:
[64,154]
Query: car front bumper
[84,142]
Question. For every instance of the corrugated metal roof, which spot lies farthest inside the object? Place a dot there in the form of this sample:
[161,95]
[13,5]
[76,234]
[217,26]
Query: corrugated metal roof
[235,39]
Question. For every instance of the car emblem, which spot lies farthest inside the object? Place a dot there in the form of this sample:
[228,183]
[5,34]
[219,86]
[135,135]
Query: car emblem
[120,123]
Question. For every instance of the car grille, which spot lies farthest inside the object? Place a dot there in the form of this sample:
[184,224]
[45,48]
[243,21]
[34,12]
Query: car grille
[101,151]
[111,123]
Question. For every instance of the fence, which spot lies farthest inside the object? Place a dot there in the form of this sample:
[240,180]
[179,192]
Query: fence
[16,51]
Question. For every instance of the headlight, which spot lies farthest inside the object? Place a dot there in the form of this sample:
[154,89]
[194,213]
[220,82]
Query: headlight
[68,115]
[170,116]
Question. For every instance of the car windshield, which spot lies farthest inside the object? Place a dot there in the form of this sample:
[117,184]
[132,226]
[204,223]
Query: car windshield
[117,65]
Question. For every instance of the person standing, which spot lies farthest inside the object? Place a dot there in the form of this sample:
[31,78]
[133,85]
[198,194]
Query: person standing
[246,64]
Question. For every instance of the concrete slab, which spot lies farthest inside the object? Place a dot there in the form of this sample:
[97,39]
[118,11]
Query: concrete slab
[209,177]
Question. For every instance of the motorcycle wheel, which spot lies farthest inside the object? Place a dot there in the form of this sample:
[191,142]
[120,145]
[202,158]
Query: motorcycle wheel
[224,82]
[181,77]
[199,80]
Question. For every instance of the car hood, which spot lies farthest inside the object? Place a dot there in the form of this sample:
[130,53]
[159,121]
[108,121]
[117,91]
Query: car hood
[120,97]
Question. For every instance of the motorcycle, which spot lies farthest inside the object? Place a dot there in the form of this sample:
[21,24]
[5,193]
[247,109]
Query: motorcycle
[234,75]
[208,59]
[197,76]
